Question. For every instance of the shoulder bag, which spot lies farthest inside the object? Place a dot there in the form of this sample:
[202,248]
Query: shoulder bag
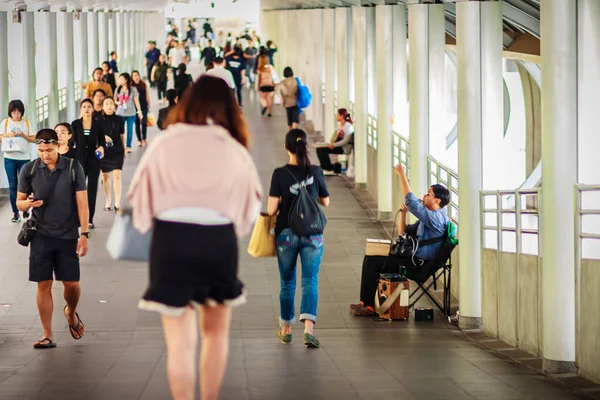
[125,242]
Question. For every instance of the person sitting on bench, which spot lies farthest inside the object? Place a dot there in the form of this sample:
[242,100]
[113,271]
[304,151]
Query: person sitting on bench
[342,142]
[432,223]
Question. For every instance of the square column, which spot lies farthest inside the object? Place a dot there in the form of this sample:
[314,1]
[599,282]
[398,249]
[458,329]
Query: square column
[132,43]
[329,39]
[112,33]
[426,27]
[83,34]
[103,39]
[70,66]
[559,166]
[4,96]
[51,31]
[343,33]
[400,70]
[93,40]
[29,76]
[120,33]
[480,123]
[385,109]
[123,61]
[361,110]
[317,69]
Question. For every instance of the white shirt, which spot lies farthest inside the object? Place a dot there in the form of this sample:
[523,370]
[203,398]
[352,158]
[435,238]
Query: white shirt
[176,55]
[222,73]
[7,126]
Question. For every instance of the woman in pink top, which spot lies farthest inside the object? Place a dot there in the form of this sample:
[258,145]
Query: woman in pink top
[197,186]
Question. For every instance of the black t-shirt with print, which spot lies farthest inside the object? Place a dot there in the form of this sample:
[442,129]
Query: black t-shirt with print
[286,187]
[236,66]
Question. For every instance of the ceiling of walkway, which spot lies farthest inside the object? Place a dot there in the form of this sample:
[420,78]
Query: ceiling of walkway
[33,5]
[519,15]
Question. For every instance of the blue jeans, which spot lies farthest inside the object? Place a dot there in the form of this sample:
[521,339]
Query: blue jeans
[13,168]
[310,249]
[129,124]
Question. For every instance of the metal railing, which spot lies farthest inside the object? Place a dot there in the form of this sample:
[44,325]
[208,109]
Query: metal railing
[372,131]
[78,90]
[41,109]
[439,173]
[401,151]
[514,228]
[62,98]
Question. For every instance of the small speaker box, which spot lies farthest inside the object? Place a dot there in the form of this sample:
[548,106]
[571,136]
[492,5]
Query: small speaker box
[423,314]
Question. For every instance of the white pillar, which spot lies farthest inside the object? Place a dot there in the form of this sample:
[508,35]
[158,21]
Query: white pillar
[103,38]
[317,68]
[29,81]
[426,25]
[53,106]
[480,122]
[120,30]
[589,87]
[559,161]
[385,109]
[70,66]
[343,21]
[4,95]
[83,32]
[112,34]
[400,70]
[93,40]
[361,110]
[124,55]
[329,39]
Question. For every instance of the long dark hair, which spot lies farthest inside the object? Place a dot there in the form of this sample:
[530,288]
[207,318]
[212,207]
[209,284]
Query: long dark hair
[346,115]
[69,129]
[127,79]
[210,98]
[142,84]
[296,143]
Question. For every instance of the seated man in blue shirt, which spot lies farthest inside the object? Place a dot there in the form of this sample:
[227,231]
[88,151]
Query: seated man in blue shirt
[432,223]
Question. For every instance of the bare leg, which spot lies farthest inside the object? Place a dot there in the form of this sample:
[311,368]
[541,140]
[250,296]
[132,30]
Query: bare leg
[118,186]
[45,306]
[72,293]
[263,99]
[214,329]
[181,335]
[294,125]
[106,187]
[269,102]
[309,326]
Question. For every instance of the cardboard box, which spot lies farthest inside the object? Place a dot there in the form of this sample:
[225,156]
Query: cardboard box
[378,247]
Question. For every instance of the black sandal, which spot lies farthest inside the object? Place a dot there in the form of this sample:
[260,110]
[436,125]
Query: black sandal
[107,208]
[74,329]
[45,343]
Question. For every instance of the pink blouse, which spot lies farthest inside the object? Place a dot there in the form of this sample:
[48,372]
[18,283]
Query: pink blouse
[196,166]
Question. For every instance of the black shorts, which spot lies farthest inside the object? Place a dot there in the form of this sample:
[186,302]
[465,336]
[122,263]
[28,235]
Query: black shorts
[267,89]
[191,265]
[50,256]
[293,115]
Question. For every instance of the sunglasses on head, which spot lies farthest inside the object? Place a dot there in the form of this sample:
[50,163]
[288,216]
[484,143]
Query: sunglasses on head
[46,141]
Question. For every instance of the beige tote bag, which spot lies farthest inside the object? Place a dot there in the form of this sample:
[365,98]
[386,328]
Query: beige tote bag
[262,241]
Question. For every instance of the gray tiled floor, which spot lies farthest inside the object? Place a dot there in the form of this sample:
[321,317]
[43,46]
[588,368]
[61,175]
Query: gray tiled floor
[122,355]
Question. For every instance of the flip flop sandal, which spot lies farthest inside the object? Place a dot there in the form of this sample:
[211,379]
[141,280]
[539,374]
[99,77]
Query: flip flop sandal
[74,330]
[45,343]
[107,208]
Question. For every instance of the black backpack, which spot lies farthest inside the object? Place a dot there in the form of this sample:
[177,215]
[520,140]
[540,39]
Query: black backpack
[306,217]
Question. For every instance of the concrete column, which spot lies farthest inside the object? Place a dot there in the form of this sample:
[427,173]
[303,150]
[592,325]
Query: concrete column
[124,55]
[132,41]
[119,19]
[29,81]
[329,39]
[4,95]
[93,40]
[559,161]
[70,66]
[371,62]
[400,70]
[343,23]
[112,33]
[385,109]
[83,33]
[361,76]
[480,114]
[589,87]
[317,67]
[426,25]
[103,38]
[53,106]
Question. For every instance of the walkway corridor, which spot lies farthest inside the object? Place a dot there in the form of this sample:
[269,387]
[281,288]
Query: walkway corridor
[122,355]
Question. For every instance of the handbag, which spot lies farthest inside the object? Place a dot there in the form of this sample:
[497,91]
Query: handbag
[275,77]
[125,242]
[27,232]
[13,144]
[262,241]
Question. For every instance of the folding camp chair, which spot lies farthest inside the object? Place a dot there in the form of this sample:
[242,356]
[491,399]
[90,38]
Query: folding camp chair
[435,269]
